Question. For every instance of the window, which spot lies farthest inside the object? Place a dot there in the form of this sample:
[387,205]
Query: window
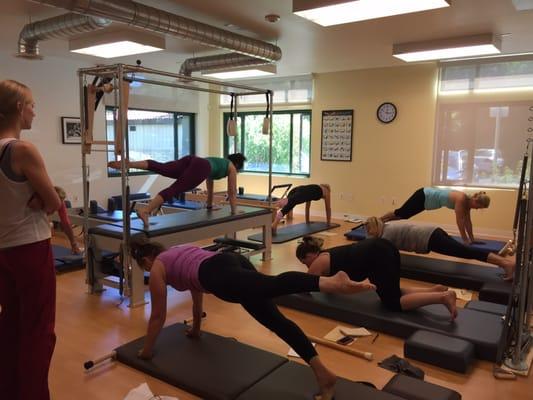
[291,141]
[297,89]
[158,135]
[483,114]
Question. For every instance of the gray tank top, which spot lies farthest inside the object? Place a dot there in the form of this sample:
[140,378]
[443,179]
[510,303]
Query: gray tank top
[409,237]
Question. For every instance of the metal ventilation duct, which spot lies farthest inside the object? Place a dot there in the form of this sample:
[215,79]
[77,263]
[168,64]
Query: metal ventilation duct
[61,26]
[220,61]
[153,19]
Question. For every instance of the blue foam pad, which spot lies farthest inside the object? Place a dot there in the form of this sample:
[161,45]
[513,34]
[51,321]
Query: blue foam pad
[357,233]
[490,246]
[483,330]
[64,259]
[295,231]
[293,381]
[186,204]
[256,197]
[211,367]
[112,216]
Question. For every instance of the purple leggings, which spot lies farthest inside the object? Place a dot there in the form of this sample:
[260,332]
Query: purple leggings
[189,172]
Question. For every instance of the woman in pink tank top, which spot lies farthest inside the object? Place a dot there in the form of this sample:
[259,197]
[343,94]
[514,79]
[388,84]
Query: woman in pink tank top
[27,273]
[232,277]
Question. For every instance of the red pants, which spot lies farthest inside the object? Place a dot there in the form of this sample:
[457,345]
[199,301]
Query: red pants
[27,318]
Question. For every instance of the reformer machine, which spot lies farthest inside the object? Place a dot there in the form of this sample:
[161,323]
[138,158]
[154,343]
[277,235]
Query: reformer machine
[116,79]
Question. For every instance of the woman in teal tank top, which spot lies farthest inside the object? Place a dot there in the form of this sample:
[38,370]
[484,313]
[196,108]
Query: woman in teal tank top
[189,172]
[430,198]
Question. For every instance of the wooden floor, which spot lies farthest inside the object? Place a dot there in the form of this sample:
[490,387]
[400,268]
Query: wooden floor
[89,326]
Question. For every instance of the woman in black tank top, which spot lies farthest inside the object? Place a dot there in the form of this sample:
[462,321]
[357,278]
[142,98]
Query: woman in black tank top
[378,261]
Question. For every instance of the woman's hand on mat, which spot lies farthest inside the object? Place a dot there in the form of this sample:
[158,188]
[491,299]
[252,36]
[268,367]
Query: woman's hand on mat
[144,215]
[145,355]
[192,333]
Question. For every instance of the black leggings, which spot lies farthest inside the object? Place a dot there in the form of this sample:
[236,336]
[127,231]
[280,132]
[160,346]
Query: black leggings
[441,242]
[375,259]
[233,278]
[301,194]
[414,205]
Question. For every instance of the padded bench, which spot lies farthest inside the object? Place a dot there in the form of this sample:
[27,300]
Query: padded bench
[485,306]
[483,330]
[496,292]
[440,350]
[415,389]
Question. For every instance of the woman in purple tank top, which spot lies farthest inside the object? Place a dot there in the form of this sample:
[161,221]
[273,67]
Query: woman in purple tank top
[233,278]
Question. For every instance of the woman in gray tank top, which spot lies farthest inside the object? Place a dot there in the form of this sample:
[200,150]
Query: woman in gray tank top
[426,238]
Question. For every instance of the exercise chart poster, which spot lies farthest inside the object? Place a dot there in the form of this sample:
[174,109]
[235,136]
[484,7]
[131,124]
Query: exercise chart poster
[337,132]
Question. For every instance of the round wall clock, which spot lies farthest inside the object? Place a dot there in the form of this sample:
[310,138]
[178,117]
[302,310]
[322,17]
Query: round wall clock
[387,112]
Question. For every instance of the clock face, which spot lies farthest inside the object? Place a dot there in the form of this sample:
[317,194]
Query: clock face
[387,112]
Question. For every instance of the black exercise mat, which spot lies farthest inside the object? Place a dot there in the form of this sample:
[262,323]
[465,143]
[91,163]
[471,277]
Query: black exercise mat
[451,273]
[490,246]
[211,367]
[294,231]
[64,259]
[293,381]
[484,330]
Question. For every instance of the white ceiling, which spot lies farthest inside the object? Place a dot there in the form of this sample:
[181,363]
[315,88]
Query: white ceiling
[306,47]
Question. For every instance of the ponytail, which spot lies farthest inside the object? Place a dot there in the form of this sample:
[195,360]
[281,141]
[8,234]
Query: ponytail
[140,248]
[309,244]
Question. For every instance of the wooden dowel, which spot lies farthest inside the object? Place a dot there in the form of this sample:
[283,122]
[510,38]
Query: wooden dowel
[91,363]
[358,353]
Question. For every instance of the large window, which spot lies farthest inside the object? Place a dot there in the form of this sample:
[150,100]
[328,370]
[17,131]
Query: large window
[291,141]
[158,135]
[483,116]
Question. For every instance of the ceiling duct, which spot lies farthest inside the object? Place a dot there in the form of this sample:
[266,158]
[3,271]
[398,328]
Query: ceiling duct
[65,25]
[153,19]
[219,61]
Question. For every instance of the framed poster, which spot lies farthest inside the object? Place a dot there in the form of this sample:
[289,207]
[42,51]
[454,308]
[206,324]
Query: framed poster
[71,130]
[337,133]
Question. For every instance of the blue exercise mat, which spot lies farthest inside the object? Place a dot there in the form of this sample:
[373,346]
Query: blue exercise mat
[185,204]
[490,246]
[295,231]
[357,233]
[65,260]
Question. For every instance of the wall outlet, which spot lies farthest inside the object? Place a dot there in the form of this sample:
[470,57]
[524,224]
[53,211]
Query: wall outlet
[382,200]
[393,200]
[349,196]
[341,195]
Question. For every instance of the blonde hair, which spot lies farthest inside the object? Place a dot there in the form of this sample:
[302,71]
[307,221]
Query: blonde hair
[482,198]
[374,227]
[11,94]
[309,244]
[60,192]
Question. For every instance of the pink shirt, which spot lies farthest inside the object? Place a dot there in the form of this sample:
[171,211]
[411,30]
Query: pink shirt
[182,264]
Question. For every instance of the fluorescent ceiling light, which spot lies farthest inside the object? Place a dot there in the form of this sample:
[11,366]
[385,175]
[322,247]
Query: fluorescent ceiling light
[335,12]
[468,46]
[116,44]
[241,72]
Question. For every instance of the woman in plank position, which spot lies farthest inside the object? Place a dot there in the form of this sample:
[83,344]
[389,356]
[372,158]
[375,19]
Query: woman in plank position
[378,261]
[430,198]
[189,172]
[426,238]
[233,278]
[303,194]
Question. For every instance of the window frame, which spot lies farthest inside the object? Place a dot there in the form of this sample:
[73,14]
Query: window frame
[242,114]
[175,114]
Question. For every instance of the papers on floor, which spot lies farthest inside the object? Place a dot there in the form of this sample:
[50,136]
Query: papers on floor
[143,392]
[336,334]
[463,294]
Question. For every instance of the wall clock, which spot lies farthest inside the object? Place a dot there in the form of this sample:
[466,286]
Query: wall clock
[387,112]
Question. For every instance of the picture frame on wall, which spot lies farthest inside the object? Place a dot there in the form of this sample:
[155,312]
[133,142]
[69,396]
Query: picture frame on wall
[337,135]
[71,130]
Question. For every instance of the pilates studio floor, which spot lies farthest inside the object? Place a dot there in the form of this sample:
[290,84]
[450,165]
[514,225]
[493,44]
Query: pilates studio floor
[89,326]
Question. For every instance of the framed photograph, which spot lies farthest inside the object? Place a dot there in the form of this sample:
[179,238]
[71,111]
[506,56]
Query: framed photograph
[71,129]
[337,132]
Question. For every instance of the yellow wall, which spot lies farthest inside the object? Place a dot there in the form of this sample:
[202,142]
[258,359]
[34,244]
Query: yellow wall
[389,161]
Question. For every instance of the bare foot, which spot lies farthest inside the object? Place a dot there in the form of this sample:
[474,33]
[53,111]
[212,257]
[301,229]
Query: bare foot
[341,283]
[439,288]
[277,219]
[326,382]
[508,264]
[144,216]
[449,299]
